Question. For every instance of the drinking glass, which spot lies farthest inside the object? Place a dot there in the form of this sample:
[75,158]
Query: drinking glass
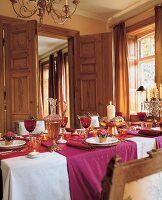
[64,122]
[30,125]
[85,122]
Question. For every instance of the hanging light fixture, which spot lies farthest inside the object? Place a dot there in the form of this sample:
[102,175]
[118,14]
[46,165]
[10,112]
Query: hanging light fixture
[59,10]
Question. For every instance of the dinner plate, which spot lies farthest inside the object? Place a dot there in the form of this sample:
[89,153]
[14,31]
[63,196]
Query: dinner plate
[95,141]
[16,144]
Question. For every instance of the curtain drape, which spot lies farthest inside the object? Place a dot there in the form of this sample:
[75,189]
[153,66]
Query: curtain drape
[60,65]
[53,78]
[40,92]
[158,45]
[57,79]
[121,70]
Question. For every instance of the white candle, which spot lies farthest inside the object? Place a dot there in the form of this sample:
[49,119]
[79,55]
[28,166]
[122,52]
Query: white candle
[110,111]
[147,94]
[160,91]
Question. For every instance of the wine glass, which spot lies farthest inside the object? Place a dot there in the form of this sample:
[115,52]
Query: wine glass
[30,125]
[85,122]
[63,124]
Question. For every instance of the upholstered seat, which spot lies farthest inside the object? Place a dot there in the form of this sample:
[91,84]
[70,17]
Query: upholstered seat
[20,128]
[135,180]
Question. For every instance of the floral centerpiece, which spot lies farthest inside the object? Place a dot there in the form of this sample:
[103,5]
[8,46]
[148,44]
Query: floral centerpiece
[102,135]
[9,137]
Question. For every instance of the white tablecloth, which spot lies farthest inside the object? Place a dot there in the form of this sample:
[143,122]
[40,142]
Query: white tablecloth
[42,178]
[143,145]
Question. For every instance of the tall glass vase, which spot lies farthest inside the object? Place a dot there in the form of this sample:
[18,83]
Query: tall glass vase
[53,122]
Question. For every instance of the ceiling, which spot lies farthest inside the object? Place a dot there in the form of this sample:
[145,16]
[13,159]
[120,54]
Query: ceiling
[111,11]
[47,45]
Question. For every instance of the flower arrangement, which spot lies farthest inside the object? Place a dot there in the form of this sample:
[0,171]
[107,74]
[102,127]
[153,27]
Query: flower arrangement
[9,137]
[102,135]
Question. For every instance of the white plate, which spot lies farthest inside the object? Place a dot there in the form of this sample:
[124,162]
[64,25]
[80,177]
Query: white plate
[16,144]
[94,140]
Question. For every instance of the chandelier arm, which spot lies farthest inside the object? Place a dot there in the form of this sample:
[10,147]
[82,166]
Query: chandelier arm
[28,8]
[20,14]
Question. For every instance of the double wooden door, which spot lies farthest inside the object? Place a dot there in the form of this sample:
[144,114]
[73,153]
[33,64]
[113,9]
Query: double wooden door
[90,72]
[18,73]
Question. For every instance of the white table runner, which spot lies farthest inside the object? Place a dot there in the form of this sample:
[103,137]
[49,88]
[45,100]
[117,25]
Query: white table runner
[144,145]
[42,178]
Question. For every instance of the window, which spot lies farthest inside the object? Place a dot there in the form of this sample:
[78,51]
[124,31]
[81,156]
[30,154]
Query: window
[146,60]
[141,68]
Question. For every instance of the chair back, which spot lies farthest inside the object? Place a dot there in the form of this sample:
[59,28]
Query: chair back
[135,180]
[20,128]
[94,120]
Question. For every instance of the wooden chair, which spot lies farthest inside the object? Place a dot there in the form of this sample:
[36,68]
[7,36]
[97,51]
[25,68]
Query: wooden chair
[135,180]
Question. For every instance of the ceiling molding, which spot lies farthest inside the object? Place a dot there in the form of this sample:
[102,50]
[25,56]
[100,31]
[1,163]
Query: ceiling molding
[90,15]
[132,11]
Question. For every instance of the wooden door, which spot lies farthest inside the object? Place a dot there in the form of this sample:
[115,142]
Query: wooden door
[2,103]
[20,71]
[94,74]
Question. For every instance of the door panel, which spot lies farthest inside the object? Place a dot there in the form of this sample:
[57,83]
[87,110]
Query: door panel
[2,115]
[21,71]
[94,74]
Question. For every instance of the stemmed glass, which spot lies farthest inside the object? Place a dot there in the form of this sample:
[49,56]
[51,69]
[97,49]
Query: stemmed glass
[85,122]
[64,122]
[30,125]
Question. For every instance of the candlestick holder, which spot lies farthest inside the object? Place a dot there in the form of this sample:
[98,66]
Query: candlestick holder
[153,107]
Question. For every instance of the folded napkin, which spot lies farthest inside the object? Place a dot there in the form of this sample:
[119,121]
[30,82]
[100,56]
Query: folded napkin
[79,144]
[150,132]
[47,143]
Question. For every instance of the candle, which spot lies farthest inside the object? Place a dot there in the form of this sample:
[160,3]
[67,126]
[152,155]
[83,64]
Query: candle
[147,94]
[66,2]
[33,154]
[160,91]
[110,111]
[154,90]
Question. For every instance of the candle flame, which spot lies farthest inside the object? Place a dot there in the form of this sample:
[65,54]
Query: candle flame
[110,102]
[34,150]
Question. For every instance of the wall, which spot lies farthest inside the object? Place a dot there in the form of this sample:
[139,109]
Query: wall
[83,24]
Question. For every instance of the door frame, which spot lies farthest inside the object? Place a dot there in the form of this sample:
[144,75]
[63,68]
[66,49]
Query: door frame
[73,55]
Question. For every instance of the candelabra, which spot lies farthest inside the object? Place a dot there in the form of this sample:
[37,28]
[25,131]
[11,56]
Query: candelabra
[153,107]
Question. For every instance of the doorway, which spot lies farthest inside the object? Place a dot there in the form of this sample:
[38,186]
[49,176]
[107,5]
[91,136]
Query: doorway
[72,38]
[53,57]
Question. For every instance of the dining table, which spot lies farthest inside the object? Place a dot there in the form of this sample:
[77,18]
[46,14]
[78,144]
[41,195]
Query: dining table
[74,172]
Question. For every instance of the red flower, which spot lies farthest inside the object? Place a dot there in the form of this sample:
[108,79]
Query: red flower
[101,132]
[9,136]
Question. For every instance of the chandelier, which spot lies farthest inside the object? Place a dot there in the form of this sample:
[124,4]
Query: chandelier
[59,10]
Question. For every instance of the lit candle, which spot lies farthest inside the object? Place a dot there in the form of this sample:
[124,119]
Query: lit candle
[110,111]
[66,2]
[160,91]
[154,90]
[147,94]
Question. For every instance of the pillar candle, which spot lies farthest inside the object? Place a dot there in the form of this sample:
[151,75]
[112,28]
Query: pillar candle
[110,111]
[147,94]
[160,92]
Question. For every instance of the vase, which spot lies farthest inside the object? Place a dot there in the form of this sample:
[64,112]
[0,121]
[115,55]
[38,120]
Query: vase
[8,142]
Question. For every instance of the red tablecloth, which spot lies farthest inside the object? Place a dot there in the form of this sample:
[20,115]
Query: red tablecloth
[87,168]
